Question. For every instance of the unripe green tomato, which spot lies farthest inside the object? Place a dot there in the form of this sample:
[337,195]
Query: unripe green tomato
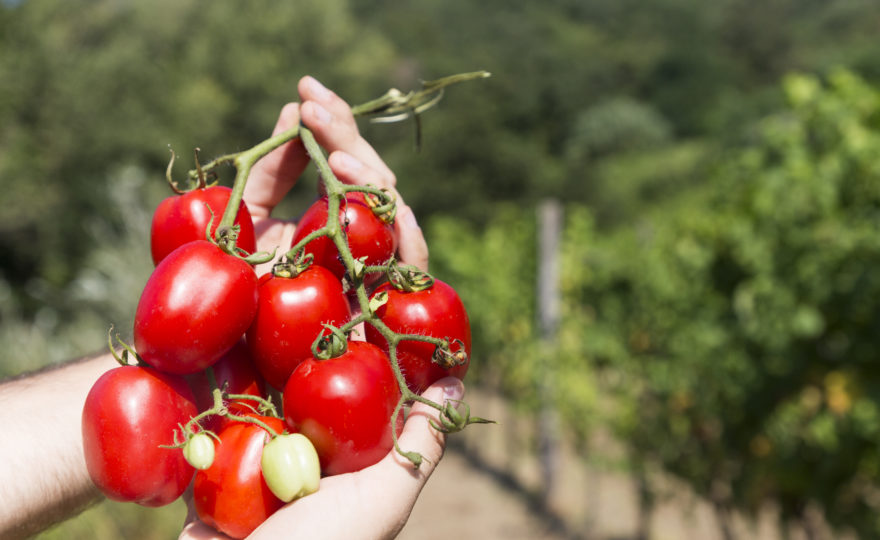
[290,466]
[199,451]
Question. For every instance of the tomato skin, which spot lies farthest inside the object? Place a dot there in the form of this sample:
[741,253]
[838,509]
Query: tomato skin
[199,451]
[436,312]
[290,316]
[344,406]
[231,495]
[237,372]
[128,413]
[368,236]
[183,218]
[196,305]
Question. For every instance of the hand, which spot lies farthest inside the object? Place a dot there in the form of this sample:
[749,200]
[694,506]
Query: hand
[351,158]
[353,161]
[351,499]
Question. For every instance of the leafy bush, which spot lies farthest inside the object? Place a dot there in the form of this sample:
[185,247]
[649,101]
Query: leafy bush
[734,326]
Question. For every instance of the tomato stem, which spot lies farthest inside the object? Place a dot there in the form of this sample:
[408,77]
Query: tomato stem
[300,246]
[414,457]
[394,105]
[219,407]
[266,406]
[252,420]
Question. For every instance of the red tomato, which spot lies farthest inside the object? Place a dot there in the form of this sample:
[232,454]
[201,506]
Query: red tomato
[231,495]
[196,305]
[183,218]
[344,406]
[436,312]
[368,236]
[129,412]
[235,370]
[290,316]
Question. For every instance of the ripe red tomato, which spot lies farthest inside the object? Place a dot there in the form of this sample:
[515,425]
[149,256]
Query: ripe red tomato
[290,316]
[231,495]
[368,235]
[344,406]
[129,412]
[183,218]
[436,312]
[236,370]
[196,305]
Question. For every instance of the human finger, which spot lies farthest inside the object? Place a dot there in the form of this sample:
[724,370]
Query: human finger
[401,481]
[393,479]
[197,530]
[333,124]
[412,248]
[350,170]
[194,528]
[411,245]
[277,172]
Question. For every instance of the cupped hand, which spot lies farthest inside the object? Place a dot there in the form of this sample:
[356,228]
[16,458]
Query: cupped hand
[372,503]
[351,158]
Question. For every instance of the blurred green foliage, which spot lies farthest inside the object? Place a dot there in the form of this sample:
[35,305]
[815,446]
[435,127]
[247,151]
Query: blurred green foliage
[734,329]
[721,214]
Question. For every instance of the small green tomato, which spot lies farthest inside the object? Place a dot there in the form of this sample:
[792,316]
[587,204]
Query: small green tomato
[290,466]
[199,451]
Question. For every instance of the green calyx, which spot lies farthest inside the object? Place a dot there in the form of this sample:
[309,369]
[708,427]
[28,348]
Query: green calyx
[452,420]
[127,350]
[199,180]
[383,205]
[331,345]
[408,278]
[447,358]
[288,268]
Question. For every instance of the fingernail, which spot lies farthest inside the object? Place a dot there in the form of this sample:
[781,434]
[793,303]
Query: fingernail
[321,114]
[349,162]
[318,90]
[453,390]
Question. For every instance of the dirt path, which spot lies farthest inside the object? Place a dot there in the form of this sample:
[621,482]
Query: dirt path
[484,489]
[462,503]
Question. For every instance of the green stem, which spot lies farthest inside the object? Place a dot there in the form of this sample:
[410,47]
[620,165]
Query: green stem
[323,231]
[219,405]
[374,269]
[217,408]
[414,457]
[379,192]
[419,337]
[252,420]
[265,404]
[335,193]
[243,162]
[394,102]
[349,326]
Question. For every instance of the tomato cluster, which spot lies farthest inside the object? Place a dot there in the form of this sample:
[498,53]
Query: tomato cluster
[213,339]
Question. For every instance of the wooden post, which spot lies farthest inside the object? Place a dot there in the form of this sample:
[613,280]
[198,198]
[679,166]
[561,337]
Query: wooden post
[548,304]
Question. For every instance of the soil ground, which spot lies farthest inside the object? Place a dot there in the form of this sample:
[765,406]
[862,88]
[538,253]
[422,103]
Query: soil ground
[486,489]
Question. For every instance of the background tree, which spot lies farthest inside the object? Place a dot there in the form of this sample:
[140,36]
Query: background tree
[720,230]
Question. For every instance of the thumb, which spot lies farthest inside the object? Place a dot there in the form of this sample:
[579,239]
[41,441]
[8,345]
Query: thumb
[397,472]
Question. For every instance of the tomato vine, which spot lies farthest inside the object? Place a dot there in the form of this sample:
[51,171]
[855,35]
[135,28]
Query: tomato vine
[392,106]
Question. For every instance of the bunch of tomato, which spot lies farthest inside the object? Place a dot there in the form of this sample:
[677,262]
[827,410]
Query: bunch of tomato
[214,342]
